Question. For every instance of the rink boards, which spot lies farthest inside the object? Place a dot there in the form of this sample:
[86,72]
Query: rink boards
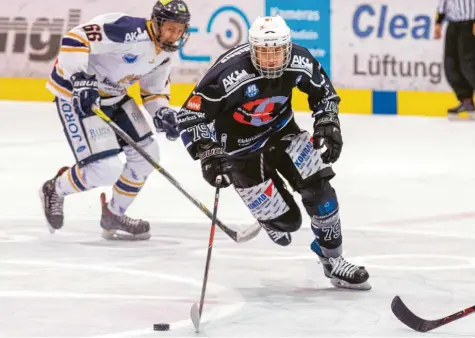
[354,101]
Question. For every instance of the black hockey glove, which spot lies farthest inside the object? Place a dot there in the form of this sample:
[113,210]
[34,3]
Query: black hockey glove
[85,93]
[213,163]
[165,121]
[326,132]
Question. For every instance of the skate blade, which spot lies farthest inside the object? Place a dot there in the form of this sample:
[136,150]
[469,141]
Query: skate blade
[365,286]
[118,235]
[42,199]
[461,117]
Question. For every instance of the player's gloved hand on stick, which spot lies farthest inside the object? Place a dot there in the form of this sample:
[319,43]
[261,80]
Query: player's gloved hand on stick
[85,93]
[213,163]
[326,133]
[165,121]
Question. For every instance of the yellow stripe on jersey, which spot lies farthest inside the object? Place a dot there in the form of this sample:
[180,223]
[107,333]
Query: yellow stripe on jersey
[143,92]
[74,49]
[59,88]
[79,175]
[134,184]
[70,179]
[59,70]
[104,94]
[121,192]
[154,97]
[79,38]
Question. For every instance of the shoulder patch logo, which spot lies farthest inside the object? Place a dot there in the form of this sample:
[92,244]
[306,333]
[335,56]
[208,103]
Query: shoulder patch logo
[251,91]
[194,103]
[138,35]
[302,62]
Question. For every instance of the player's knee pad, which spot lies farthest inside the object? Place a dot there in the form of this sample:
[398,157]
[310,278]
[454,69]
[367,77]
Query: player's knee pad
[270,203]
[102,172]
[90,138]
[321,203]
[136,163]
[306,159]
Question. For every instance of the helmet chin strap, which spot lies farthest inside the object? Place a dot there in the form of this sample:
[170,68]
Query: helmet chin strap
[156,35]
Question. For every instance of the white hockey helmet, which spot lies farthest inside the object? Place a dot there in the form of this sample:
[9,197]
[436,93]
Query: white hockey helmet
[269,38]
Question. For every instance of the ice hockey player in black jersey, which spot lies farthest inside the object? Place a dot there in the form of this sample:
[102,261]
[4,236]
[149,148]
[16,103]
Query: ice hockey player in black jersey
[247,95]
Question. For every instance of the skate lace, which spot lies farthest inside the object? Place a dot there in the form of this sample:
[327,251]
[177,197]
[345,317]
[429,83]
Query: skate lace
[56,204]
[341,267]
[128,221]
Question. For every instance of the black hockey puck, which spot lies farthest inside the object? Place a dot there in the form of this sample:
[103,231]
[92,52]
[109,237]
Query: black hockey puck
[161,327]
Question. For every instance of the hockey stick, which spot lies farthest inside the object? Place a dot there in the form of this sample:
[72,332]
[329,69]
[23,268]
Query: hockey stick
[239,237]
[195,312]
[406,316]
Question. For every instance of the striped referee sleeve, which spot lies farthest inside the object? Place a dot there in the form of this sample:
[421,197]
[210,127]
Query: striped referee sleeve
[456,10]
[440,16]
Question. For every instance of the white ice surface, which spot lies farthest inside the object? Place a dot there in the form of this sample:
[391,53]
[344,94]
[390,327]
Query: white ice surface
[406,188]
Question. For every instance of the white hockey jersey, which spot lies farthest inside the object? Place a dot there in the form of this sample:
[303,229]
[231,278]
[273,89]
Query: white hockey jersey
[120,50]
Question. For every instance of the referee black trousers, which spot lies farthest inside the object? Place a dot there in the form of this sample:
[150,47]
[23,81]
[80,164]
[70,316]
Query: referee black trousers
[459,58]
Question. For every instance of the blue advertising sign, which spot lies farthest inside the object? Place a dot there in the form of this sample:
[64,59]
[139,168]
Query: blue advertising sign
[309,21]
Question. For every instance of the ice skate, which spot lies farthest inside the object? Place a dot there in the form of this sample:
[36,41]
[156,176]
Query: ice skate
[464,111]
[52,203]
[278,237]
[122,227]
[342,273]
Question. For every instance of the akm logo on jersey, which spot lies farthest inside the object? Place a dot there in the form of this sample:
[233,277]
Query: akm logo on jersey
[261,111]
[262,197]
[302,62]
[231,81]
[139,35]
[304,154]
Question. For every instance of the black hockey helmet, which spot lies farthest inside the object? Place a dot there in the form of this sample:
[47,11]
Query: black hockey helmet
[174,11]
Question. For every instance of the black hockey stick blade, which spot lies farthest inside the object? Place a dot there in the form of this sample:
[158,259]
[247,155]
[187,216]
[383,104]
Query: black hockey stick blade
[195,316]
[407,317]
[402,312]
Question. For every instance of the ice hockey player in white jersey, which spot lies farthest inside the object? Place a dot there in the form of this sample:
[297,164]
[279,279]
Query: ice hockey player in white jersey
[97,62]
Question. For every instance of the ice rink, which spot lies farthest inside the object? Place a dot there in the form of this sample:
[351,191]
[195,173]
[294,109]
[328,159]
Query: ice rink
[406,187]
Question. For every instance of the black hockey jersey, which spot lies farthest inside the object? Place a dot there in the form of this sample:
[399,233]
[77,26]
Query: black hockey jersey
[247,108]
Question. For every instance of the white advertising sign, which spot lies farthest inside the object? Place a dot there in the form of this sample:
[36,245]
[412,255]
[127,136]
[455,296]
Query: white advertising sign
[386,45]
[31,31]
[217,26]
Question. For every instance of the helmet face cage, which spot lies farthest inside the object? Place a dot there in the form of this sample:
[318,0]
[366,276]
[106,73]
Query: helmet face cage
[271,60]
